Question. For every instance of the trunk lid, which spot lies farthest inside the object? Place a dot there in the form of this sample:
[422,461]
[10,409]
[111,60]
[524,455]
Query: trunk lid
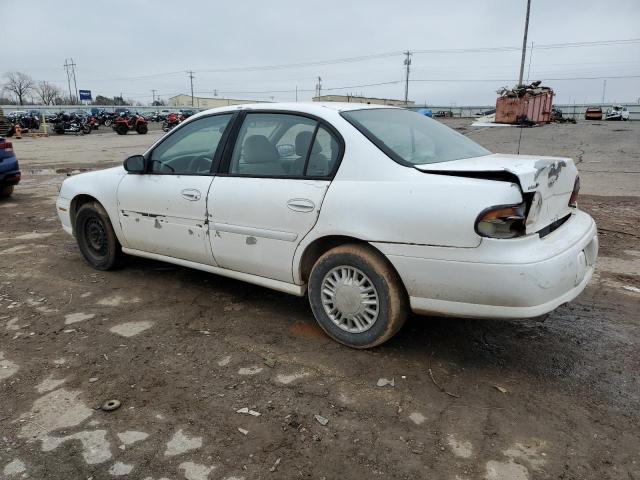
[549,180]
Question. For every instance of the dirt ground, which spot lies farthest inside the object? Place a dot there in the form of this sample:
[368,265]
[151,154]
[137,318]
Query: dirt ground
[185,352]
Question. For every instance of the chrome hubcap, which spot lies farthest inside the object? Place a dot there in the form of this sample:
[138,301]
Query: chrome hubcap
[350,299]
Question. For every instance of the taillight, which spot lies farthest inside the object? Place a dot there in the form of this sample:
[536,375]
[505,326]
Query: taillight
[6,146]
[504,221]
[573,200]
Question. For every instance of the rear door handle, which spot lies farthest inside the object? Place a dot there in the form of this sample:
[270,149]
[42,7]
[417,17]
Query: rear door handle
[190,194]
[301,205]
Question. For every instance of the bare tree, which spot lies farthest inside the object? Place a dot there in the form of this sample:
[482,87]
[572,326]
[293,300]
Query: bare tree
[47,92]
[19,84]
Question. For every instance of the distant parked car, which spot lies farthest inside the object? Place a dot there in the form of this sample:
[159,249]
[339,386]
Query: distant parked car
[617,112]
[593,113]
[372,211]
[9,168]
[443,113]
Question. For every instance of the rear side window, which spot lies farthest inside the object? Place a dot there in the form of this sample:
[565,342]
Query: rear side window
[283,145]
[412,139]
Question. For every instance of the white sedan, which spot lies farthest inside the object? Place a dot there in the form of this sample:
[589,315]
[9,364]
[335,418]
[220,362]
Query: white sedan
[370,211]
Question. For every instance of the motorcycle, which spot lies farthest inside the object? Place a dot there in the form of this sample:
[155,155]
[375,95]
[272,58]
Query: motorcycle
[135,122]
[71,123]
[172,121]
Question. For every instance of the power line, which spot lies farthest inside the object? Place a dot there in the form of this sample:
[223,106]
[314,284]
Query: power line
[361,58]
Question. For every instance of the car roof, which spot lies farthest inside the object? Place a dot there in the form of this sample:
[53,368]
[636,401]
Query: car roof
[314,108]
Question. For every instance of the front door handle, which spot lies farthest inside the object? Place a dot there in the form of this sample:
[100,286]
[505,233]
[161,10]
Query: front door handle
[301,205]
[190,194]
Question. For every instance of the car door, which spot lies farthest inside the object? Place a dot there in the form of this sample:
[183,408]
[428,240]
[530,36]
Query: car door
[164,210]
[269,194]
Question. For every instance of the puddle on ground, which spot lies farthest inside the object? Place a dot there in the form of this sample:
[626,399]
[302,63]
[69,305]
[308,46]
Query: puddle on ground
[55,171]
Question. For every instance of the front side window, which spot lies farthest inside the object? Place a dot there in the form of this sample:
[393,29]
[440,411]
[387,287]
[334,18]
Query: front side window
[412,139]
[190,149]
[272,145]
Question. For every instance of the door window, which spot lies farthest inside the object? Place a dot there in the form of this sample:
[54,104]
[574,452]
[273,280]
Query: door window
[272,145]
[191,149]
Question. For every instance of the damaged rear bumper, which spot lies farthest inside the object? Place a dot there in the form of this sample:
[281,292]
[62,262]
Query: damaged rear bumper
[519,278]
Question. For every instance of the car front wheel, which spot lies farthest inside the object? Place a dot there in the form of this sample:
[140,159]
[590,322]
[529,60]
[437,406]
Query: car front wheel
[95,236]
[356,296]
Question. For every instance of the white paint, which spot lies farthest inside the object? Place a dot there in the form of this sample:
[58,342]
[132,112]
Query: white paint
[116,301]
[131,436]
[505,471]
[417,418]
[131,329]
[250,370]
[16,249]
[224,361]
[14,467]
[631,288]
[7,367]
[57,410]
[195,471]
[49,384]
[33,236]
[287,379]
[461,449]
[77,317]
[95,446]
[13,324]
[120,469]
[529,453]
[181,443]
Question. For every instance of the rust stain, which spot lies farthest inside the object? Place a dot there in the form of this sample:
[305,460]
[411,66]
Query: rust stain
[306,330]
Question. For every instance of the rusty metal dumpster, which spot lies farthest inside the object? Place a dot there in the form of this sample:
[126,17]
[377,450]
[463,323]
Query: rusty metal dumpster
[530,104]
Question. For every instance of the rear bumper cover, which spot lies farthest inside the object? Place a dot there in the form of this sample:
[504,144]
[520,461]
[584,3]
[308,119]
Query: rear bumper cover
[520,278]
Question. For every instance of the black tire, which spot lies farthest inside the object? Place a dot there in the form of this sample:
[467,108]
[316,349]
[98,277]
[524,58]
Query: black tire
[391,294]
[108,122]
[96,239]
[86,129]
[6,191]
[165,127]
[142,129]
[121,129]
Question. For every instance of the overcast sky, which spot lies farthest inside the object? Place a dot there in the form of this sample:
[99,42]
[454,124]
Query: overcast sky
[116,42]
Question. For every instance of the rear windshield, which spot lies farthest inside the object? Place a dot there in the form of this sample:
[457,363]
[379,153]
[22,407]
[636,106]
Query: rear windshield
[412,139]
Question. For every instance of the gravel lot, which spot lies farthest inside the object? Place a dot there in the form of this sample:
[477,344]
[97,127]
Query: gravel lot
[185,352]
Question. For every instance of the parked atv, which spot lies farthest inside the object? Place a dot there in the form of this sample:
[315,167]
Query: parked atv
[132,122]
[172,121]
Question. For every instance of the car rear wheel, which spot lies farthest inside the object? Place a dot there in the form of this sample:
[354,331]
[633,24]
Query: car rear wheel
[6,191]
[95,236]
[357,297]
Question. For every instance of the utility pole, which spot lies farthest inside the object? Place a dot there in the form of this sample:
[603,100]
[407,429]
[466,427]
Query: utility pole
[190,72]
[524,42]
[296,93]
[153,95]
[66,67]
[318,88]
[73,70]
[407,64]
[604,89]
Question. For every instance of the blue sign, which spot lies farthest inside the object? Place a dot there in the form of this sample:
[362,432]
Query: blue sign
[85,94]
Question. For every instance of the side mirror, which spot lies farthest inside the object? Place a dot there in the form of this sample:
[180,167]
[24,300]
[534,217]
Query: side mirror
[135,164]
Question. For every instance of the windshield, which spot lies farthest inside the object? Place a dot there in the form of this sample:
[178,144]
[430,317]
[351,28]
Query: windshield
[412,139]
